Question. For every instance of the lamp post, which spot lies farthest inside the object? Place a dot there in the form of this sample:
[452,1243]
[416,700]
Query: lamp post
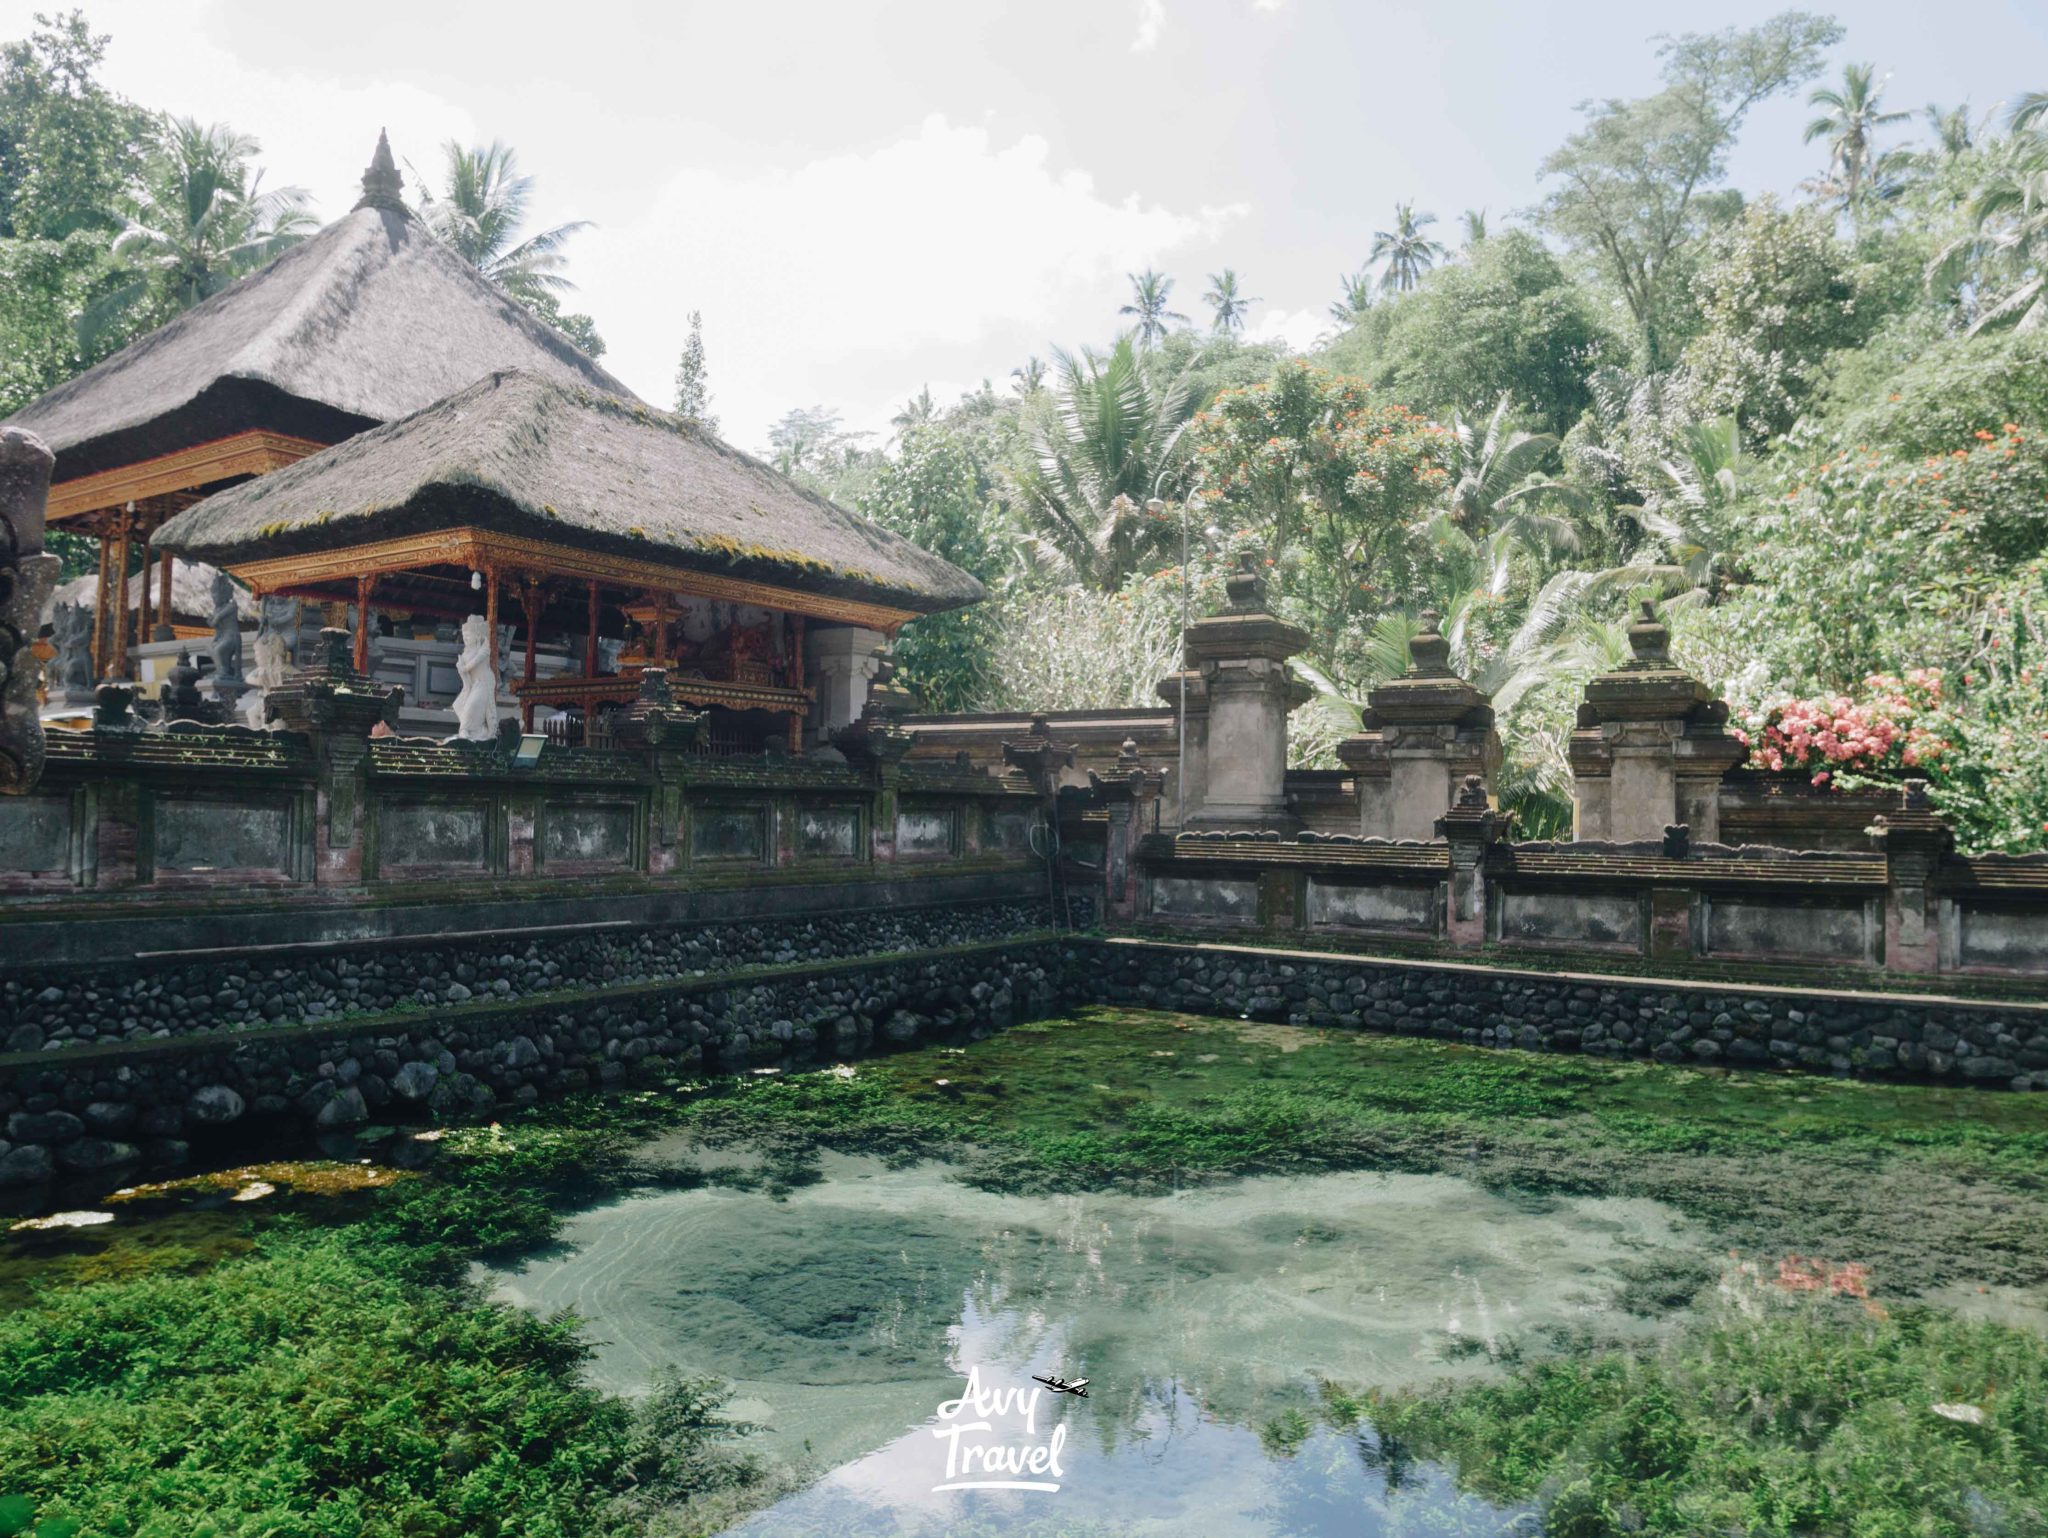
[1180,774]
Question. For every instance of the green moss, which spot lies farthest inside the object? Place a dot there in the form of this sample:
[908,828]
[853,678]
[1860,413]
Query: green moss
[1774,1415]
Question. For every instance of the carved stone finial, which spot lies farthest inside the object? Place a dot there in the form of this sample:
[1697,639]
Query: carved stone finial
[381,182]
[1429,654]
[1913,796]
[1472,791]
[1650,639]
[1246,587]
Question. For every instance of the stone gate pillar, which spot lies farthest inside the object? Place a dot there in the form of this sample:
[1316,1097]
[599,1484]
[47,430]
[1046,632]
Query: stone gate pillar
[26,576]
[1650,748]
[840,661]
[1241,655]
[1424,732]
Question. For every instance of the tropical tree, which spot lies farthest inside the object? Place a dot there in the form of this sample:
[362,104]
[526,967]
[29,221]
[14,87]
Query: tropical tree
[1354,296]
[1105,442]
[693,388]
[1407,252]
[919,411]
[1329,478]
[201,220]
[1950,128]
[1850,124]
[1633,188]
[1224,300]
[1028,378]
[1151,292]
[1474,221]
[935,492]
[481,212]
[1497,478]
[2008,247]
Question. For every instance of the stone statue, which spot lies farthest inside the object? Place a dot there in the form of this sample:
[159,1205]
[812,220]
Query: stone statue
[227,632]
[26,576]
[476,707]
[71,626]
[277,626]
[608,651]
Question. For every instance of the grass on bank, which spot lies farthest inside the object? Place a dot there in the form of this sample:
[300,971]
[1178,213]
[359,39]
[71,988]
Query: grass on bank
[326,1370]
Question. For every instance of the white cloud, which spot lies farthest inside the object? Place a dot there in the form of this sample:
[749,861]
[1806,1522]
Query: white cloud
[854,279]
[316,133]
[1298,329]
[1151,23]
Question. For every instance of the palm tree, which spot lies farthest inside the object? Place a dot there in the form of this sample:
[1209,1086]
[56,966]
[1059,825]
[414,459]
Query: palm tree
[1475,226]
[2011,237]
[919,411]
[1028,378]
[1227,303]
[1407,252]
[480,212]
[1950,128]
[1354,298]
[1850,126]
[201,220]
[1150,293]
[1498,472]
[1105,443]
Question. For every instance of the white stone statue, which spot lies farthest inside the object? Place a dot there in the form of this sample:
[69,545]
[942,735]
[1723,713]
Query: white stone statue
[476,707]
[277,627]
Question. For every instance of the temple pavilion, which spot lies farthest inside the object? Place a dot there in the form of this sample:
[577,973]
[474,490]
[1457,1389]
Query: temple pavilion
[369,424]
[583,517]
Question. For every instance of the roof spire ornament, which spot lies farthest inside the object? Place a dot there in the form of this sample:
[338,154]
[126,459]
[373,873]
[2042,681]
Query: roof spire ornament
[381,184]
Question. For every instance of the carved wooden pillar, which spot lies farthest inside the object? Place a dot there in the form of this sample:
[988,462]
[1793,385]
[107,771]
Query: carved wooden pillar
[142,609]
[163,630]
[590,639]
[530,594]
[660,628]
[99,608]
[117,655]
[362,655]
[491,618]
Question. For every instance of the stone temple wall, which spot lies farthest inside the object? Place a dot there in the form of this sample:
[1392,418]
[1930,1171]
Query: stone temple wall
[50,1008]
[95,1108]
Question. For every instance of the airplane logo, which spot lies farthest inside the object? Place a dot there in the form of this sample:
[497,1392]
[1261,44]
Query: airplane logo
[1060,1385]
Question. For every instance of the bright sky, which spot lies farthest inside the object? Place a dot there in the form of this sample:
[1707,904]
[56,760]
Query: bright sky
[867,198]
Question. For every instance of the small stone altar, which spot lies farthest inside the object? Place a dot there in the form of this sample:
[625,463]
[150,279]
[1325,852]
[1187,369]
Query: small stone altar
[1651,746]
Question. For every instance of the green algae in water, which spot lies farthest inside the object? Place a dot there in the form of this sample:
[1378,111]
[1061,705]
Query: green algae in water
[846,1312]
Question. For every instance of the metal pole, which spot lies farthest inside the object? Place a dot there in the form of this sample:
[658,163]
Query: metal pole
[1180,773]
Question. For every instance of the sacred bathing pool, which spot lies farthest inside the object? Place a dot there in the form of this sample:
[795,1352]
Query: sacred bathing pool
[543,742]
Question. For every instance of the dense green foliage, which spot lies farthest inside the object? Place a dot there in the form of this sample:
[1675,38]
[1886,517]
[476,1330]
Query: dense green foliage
[1775,1415]
[1814,431]
[1817,431]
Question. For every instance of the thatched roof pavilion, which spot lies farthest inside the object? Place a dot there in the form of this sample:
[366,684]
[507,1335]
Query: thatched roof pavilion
[366,321]
[575,500]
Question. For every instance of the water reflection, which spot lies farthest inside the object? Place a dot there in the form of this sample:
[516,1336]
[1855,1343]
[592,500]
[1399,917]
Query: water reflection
[1209,1323]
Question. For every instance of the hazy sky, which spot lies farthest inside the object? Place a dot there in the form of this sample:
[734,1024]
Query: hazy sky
[866,198]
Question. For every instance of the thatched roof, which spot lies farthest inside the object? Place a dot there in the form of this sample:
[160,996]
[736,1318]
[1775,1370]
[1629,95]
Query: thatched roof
[527,455]
[362,323]
[191,592]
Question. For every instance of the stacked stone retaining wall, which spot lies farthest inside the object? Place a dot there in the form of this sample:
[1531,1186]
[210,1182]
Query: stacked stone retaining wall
[49,1008]
[93,1108]
[1866,1034]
